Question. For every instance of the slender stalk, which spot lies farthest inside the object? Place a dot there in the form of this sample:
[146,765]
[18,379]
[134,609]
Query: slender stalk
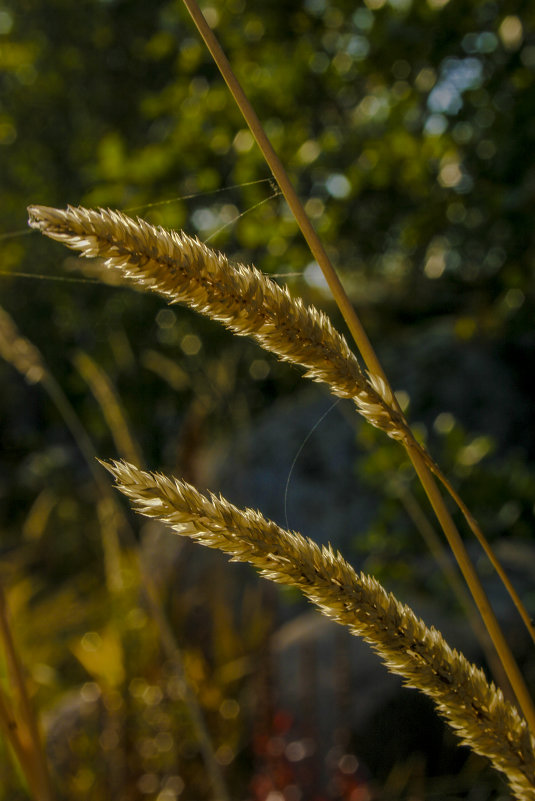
[108,400]
[12,731]
[372,362]
[456,544]
[281,176]
[476,530]
[109,533]
[34,754]
[438,550]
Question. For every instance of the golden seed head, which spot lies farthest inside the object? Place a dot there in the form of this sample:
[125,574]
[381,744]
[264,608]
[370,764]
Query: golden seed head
[246,301]
[474,708]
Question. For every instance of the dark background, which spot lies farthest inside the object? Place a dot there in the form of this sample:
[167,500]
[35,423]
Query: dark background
[408,130]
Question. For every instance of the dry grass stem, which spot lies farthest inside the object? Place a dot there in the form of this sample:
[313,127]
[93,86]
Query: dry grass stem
[20,722]
[28,360]
[245,300]
[475,709]
[19,352]
[441,557]
[281,176]
[17,736]
[108,400]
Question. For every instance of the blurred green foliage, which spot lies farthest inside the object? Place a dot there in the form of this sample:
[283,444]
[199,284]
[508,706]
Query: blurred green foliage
[408,129]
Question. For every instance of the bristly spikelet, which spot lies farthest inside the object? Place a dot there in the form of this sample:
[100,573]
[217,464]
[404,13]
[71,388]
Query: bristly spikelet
[245,300]
[475,709]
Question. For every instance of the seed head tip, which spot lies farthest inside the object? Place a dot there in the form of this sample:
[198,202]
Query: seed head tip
[37,216]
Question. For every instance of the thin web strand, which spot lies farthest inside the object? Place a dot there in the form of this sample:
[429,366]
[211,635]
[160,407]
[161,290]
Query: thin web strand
[198,194]
[314,428]
[242,214]
[65,279]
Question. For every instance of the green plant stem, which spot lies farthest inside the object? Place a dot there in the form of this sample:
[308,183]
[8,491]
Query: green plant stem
[33,757]
[106,396]
[370,358]
[12,734]
[109,535]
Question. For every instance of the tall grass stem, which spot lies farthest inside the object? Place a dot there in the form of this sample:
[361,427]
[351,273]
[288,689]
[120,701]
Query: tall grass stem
[458,587]
[34,758]
[370,358]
